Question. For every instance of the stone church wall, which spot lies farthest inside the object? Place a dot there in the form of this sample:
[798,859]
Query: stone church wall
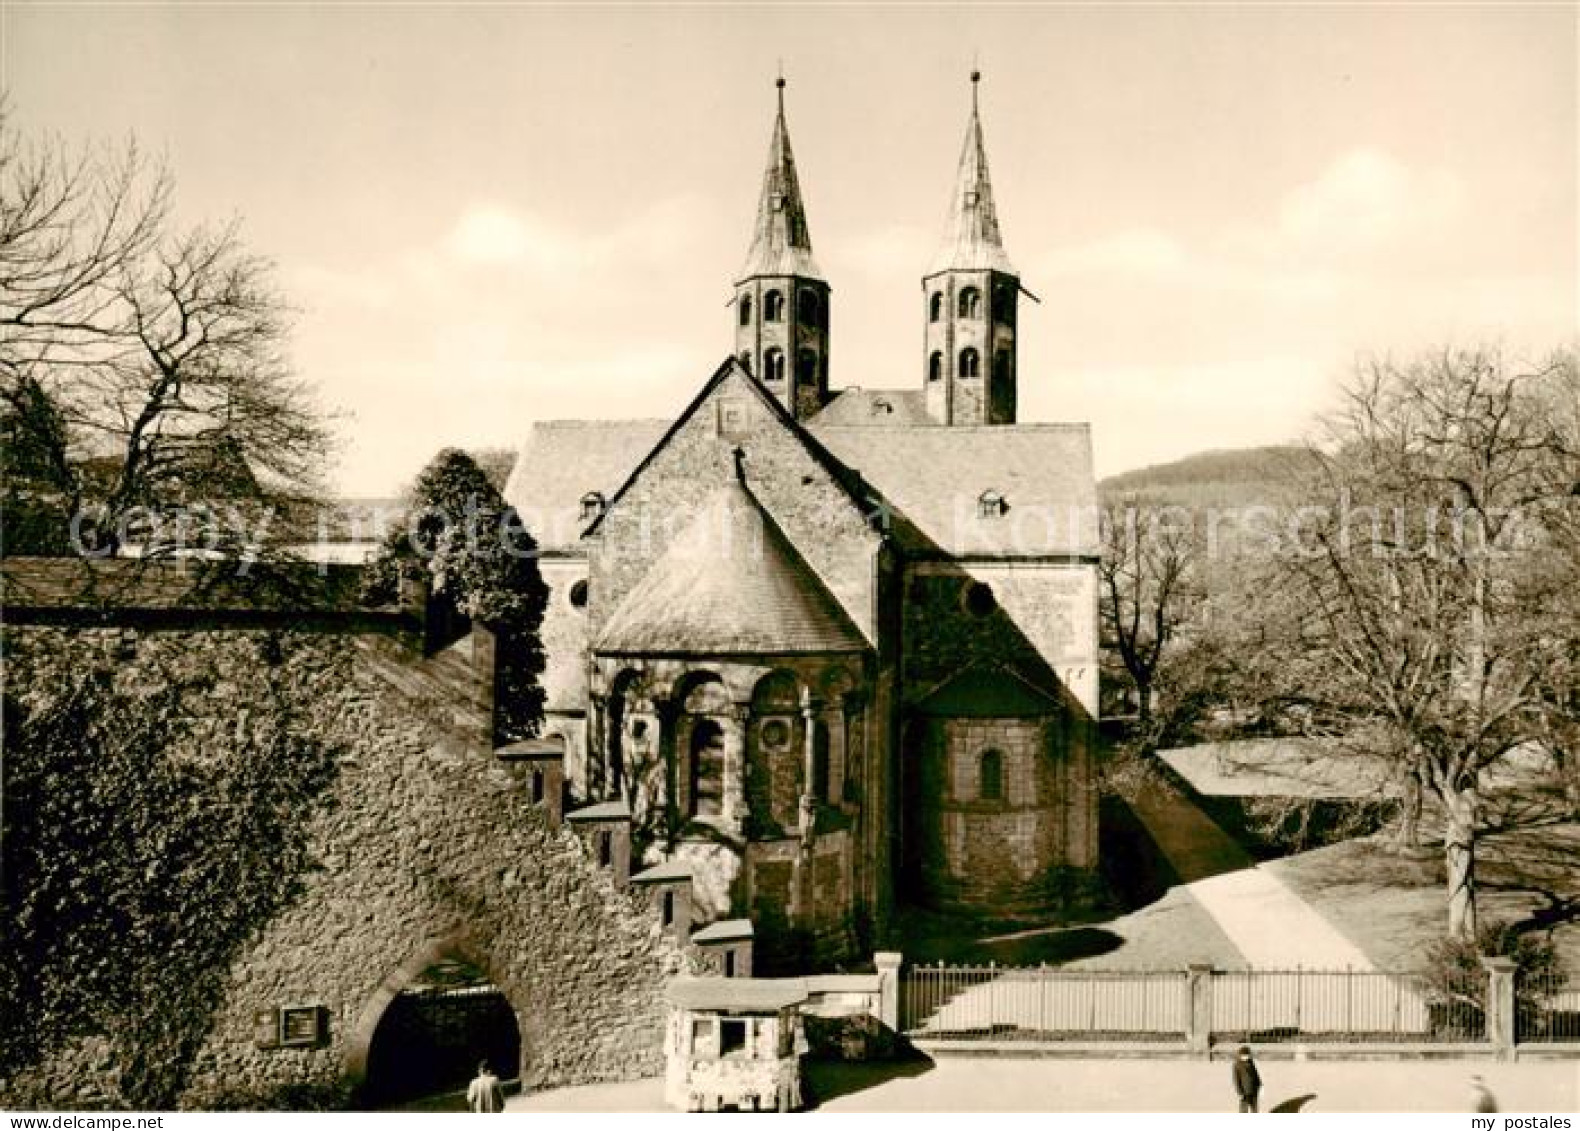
[421,848]
[819,518]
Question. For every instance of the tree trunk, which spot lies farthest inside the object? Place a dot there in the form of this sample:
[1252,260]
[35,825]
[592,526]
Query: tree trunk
[1144,701]
[1460,813]
[1409,832]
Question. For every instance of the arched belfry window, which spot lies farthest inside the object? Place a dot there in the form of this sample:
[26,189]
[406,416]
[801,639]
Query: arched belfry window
[971,303]
[991,504]
[990,776]
[806,367]
[1004,304]
[773,307]
[935,367]
[970,363]
[592,506]
[774,365]
[935,306]
[746,310]
[807,306]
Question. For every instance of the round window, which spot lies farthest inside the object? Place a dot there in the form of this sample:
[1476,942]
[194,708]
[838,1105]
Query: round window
[776,734]
[979,599]
[579,595]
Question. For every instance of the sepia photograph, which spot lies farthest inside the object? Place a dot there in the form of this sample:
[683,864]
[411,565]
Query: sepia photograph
[818,557]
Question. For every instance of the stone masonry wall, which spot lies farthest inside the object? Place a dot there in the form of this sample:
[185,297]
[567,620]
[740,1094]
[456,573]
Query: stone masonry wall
[422,848]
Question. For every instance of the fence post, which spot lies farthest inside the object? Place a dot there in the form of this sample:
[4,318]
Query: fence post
[1198,981]
[888,963]
[1500,1006]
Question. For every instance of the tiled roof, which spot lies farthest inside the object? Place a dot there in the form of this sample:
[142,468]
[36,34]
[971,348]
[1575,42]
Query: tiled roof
[563,460]
[874,408]
[730,584]
[972,241]
[935,478]
[781,242]
[737,995]
[725,930]
[989,693]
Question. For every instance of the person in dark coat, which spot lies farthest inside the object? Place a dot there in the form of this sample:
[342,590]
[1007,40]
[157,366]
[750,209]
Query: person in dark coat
[1247,1080]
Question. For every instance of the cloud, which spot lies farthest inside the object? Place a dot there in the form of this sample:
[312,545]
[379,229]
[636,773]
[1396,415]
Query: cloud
[491,235]
[1366,200]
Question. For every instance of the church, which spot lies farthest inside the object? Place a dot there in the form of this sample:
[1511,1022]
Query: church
[834,650]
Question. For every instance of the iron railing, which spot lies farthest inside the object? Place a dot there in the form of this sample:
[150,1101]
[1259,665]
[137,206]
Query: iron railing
[1048,1004]
[1265,1006]
[1039,1003]
[1547,1009]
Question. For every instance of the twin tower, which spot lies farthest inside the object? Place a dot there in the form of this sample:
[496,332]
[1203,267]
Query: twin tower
[970,293]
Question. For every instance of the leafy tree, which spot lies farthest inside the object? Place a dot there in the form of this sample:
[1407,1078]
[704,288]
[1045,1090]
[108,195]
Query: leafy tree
[1422,606]
[477,558]
[143,368]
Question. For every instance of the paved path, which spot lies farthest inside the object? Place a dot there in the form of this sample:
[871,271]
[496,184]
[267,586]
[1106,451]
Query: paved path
[1267,922]
[1014,1084]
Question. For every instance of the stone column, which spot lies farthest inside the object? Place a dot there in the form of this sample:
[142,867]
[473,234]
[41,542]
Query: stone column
[1198,980]
[734,807]
[1500,1006]
[808,810]
[888,963]
[836,752]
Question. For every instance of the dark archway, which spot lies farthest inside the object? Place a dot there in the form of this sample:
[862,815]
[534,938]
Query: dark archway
[419,1038]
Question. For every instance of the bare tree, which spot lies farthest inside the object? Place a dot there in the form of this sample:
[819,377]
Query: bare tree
[1146,588]
[1432,617]
[141,366]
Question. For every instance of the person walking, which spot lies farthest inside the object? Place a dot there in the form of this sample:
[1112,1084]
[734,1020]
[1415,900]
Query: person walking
[1247,1080]
[485,1094]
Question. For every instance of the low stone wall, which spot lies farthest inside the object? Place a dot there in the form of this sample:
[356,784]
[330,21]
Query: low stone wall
[420,848]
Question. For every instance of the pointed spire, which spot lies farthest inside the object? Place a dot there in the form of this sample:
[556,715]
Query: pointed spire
[781,243]
[971,238]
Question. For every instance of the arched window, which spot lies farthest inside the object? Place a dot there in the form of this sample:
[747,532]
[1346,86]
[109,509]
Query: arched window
[592,506]
[990,776]
[773,307]
[707,768]
[991,504]
[807,306]
[806,367]
[979,599]
[1004,304]
[935,306]
[578,595]
[935,367]
[971,303]
[970,363]
[774,365]
[746,310]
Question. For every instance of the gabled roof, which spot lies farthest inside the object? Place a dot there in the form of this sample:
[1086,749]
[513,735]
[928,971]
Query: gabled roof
[983,692]
[736,995]
[563,460]
[874,408]
[934,478]
[730,584]
[781,241]
[971,236]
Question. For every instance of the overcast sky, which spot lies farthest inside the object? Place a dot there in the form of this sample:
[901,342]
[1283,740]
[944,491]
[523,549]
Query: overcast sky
[493,214]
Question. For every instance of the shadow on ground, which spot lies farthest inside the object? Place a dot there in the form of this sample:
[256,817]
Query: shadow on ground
[1294,1103]
[825,1080]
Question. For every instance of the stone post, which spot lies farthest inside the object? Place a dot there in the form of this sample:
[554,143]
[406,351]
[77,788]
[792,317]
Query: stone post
[888,963]
[1500,1006]
[808,764]
[733,811]
[1198,1034]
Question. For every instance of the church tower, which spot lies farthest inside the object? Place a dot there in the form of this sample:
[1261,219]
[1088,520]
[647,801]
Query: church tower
[781,299]
[970,293]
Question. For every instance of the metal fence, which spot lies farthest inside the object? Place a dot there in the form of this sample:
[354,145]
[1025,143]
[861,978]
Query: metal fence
[1041,1003]
[1547,1009]
[1358,1006]
[1261,1006]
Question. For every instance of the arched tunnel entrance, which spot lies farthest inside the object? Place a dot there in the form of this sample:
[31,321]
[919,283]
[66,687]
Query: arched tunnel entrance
[424,1046]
